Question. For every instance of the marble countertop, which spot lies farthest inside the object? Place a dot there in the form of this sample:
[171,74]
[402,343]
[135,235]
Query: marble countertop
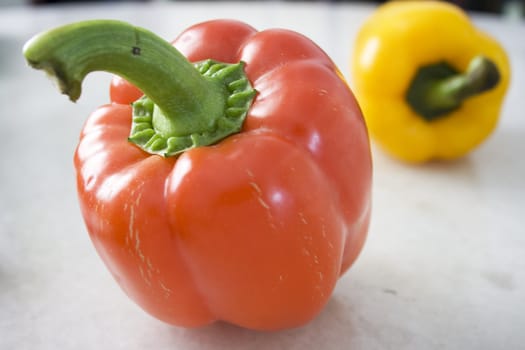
[443,267]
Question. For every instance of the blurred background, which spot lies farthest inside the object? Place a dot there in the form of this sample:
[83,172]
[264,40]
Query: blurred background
[514,8]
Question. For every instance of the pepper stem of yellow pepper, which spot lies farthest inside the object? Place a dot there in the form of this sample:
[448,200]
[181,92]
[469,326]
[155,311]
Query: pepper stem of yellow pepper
[439,89]
[185,105]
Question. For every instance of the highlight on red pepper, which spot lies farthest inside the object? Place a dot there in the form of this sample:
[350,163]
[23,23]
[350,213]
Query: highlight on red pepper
[237,188]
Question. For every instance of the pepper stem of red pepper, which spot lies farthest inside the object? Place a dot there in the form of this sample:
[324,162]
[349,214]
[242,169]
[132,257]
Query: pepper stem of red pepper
[439,89]
[184,106]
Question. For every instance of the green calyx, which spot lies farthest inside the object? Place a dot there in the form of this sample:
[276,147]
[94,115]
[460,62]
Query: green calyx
[439,89]
[157,133]
[184,106]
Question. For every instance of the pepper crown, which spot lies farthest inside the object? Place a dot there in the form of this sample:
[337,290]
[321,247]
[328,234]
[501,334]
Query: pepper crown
[184,106]
[438,89]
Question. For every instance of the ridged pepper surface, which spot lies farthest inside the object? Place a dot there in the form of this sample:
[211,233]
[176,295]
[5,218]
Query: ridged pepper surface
[243,192]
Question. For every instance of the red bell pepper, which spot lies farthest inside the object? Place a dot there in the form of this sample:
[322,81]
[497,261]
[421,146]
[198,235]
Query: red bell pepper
[243,193]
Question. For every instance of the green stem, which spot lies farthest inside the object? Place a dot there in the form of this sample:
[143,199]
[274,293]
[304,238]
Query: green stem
[186,104]
[439,89]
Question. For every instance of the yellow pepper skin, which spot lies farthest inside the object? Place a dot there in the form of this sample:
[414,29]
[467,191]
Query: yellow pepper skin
[392,46]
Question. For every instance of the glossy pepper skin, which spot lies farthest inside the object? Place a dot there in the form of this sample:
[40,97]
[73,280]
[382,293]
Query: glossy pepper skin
[254,230]
[391,47]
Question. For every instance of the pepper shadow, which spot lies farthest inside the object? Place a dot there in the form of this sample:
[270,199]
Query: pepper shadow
[334,325]
[501,159]
[497,164]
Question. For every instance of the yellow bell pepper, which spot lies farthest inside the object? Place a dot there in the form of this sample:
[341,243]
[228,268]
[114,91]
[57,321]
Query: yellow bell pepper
[430,84]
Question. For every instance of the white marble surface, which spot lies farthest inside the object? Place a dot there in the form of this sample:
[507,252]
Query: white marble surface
[443,268]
